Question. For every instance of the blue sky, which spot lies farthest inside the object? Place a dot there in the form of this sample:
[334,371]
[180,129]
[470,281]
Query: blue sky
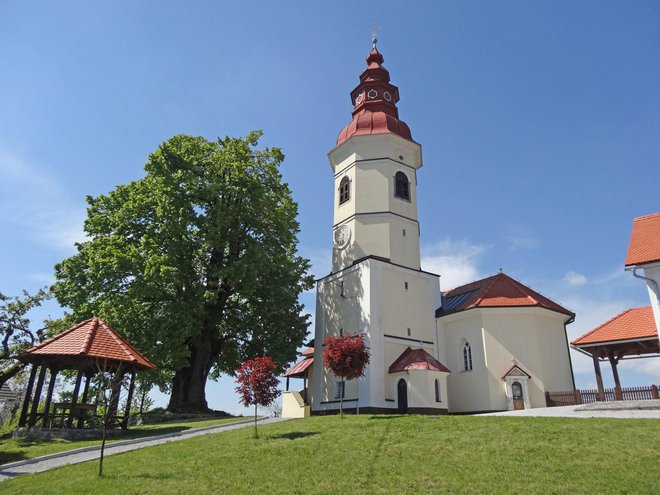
[539,123]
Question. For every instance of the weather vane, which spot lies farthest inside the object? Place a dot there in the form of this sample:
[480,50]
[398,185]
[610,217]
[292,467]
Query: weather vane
[374,30]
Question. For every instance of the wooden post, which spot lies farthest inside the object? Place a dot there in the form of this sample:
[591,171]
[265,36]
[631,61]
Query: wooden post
[127,411]
[74,399]
[49,397]
[88,378]
[654,392]
[28,395]
[287,383]
[114,396]
[576,395]
[599,377]
[548,401]
[618,394]
[37,396]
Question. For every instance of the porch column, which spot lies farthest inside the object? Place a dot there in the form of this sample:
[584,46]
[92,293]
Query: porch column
[88,379]
[599,377]
[618,394]
[74,399]
[114,397]
[37,396]
[28,395]
[127,411]
[49,397]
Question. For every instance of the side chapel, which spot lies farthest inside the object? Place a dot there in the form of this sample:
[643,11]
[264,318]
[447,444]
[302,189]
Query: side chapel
[491,345]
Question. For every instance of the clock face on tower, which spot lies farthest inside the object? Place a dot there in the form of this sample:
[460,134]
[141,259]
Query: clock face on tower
[342,236]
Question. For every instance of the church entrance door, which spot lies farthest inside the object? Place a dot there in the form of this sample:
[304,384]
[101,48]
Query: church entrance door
[402,394]
[518,399]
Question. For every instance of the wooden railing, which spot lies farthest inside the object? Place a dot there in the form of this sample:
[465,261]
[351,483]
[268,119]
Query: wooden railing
[571,398]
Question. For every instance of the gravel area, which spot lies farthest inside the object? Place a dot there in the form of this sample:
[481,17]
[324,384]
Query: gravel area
[51,461]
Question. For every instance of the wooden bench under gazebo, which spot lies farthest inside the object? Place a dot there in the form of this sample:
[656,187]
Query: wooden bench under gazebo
[89,348]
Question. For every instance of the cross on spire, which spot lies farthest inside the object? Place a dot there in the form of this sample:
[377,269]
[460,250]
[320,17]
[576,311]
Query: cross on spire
[374,30]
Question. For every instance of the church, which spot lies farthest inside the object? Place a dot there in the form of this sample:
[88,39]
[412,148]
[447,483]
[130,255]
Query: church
[491,345]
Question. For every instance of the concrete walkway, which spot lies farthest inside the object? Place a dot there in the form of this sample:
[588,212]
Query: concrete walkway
[618,409]
[44,463]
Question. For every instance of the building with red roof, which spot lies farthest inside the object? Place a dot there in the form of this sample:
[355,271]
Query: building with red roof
[491,345]
[634,332]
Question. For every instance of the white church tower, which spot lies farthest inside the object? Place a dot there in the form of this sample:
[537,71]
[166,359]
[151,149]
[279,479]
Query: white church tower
[376,285]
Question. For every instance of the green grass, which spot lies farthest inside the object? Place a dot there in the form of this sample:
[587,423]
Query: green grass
[383,454]
[18,449]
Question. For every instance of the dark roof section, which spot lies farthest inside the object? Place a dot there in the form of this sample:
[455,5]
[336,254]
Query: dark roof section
[498,291]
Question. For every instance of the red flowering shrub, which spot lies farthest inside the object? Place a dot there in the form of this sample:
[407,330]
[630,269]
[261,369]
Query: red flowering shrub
[347,357]
[257,384]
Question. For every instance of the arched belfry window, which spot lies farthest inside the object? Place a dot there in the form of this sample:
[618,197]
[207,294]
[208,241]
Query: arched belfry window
[401,186]
[344,190]
[467,357]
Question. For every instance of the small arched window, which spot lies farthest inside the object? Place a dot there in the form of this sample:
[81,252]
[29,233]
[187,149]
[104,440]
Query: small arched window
[344,190]
[437,391]
[401,186]
[467,357]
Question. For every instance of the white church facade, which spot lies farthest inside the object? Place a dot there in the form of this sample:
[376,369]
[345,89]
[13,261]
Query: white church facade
[491,345]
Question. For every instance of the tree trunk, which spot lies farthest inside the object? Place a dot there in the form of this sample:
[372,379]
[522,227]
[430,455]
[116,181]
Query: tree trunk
[189,383]
[10,372]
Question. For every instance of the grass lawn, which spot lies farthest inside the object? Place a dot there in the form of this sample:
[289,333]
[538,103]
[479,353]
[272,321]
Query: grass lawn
[18,449]
[383,454]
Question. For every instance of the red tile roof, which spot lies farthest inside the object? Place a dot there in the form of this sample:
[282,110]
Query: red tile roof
[417,359]
[635,323]
[300,368]
[644,244]
[495,292]
[92,338]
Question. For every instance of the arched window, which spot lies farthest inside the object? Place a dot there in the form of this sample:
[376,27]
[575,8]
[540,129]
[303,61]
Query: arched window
[344,190]
[437,391]
[401,186]
[467,357]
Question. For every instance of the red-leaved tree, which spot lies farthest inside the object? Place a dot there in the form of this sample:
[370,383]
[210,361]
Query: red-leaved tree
[257,384]
[347,357]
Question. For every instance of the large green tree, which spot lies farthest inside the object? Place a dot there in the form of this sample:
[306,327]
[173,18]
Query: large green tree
[196,262]
[16,334]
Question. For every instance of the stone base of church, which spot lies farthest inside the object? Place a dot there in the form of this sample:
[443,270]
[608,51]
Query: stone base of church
[382,410]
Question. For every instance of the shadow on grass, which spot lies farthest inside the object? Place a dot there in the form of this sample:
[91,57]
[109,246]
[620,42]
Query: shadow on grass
[294,435]
[12,456]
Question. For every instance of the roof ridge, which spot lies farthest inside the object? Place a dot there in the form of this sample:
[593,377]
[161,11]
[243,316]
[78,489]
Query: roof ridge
[487,290]
[89,338]
[644,217]
[120,341]
[618,315]
[525,293]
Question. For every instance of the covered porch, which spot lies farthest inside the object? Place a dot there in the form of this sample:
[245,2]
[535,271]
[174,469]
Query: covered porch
[296,403]
[629,335]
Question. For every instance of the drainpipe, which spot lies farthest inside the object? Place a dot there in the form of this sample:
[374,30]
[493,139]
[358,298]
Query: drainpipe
[654,284]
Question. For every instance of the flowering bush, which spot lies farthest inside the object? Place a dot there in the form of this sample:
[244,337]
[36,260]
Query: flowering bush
[257,384]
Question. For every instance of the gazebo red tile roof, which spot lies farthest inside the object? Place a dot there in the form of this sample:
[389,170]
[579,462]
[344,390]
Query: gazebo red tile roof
[90,340]
[497,291]
[644,244]
[632,324]
[417,359]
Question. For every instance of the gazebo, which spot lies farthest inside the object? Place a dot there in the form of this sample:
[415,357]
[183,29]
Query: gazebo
[89,348]
[629,335]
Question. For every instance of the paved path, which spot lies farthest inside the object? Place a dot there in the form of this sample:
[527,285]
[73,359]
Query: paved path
[44,463]
[619,409]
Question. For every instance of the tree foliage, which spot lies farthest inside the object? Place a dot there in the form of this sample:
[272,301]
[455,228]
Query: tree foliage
[257,384]
[347,357]
[15,331]
[195,263]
